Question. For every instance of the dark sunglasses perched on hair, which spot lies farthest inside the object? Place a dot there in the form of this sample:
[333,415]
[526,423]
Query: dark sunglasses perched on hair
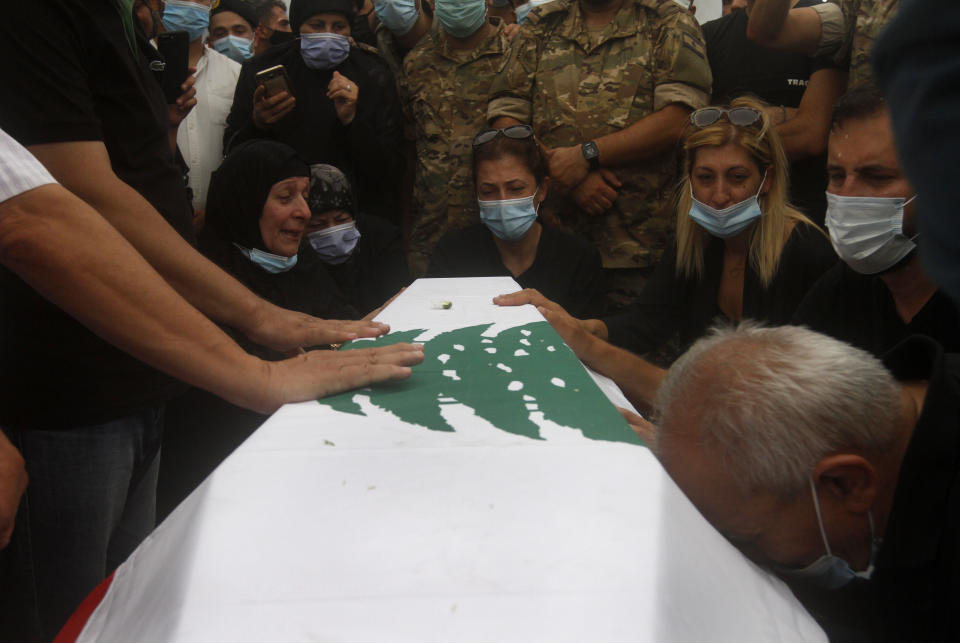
[518,132]
[740,116]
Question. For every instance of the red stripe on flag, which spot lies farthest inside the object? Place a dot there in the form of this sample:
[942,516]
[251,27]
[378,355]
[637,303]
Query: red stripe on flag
[79,618]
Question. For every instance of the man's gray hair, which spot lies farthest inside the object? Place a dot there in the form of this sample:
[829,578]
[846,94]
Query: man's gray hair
[771,402]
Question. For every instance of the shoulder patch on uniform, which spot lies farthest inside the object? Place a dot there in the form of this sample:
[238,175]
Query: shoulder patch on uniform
[692,43]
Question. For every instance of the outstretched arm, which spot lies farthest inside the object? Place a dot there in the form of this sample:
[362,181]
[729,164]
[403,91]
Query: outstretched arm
[84,169]
[105,284]
[637,378]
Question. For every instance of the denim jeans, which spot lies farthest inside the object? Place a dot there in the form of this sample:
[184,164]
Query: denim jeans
[90,501]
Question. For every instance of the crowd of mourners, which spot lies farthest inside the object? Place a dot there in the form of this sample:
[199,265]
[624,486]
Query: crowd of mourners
[724,220]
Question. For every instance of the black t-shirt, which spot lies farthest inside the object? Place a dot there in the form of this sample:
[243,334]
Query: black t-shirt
[70,75]
[377,269]
[565,269]
[740,66]
[369,150]
[915,588]
[918,566]
[860,310]
[677,311]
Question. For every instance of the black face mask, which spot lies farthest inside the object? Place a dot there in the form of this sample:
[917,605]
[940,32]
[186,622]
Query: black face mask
[280,37]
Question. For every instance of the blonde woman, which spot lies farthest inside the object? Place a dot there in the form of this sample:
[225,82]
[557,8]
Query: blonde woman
[742,252]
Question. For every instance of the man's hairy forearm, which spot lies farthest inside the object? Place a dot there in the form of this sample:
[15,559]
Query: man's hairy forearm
[73,257]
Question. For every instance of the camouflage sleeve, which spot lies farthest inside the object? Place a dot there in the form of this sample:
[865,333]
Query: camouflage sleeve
[849,10]
[512,87]
[831,28]
[682,72]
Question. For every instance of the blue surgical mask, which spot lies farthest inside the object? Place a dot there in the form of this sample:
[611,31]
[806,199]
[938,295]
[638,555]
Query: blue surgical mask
[829,571]
[730,221]
[270,262]
[324,50]
[509,219]
[521,12]
[461,18]
[336,243]
[399,16]
[191,17]
[867,232]
[234,47]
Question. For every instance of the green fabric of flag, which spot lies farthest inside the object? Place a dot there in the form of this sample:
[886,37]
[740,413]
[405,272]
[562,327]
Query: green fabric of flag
[125,7]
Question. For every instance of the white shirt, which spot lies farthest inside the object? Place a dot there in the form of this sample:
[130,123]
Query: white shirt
[19,171]
[200,137]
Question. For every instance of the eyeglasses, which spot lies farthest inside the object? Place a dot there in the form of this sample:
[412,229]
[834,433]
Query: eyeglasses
[739,116]
[516,132]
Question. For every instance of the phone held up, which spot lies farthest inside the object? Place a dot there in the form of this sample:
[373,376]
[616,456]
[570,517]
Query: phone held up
[174,46]
[274,81]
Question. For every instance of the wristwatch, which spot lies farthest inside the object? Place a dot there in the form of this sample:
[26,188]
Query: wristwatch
[592,154]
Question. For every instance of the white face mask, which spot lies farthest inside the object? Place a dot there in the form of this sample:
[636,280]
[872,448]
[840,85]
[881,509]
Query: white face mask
[829,571]
[867,232]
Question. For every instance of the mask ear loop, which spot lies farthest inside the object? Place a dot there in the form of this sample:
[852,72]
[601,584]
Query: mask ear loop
[816,506]
[914,237]
[764,180]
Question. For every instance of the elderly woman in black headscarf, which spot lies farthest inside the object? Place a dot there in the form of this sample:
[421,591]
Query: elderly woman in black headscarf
[363,253]
[257,216]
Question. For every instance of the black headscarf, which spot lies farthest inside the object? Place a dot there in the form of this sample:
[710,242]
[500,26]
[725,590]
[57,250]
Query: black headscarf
[243,8]
[330,190]
[239,190]
[300,10]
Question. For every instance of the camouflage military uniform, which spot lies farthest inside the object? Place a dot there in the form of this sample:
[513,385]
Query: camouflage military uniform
[445,92]
[576,84]
[865,19]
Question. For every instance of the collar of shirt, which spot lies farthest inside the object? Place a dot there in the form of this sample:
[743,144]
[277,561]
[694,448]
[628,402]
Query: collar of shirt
[624,25]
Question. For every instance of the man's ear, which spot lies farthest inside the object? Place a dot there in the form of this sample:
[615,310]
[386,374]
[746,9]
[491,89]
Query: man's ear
[851,478]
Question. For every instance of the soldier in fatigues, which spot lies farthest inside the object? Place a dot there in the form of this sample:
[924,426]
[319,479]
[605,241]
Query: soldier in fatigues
[608,86]
[445,87]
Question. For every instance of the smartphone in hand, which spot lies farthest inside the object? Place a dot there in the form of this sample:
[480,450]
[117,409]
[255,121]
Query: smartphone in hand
[174,46]
[274,81]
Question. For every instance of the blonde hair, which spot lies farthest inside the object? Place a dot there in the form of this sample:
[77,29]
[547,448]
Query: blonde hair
[770,234]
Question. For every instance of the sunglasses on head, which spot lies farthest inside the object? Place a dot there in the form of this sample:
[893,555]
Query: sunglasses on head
[517,132]
[740,116]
